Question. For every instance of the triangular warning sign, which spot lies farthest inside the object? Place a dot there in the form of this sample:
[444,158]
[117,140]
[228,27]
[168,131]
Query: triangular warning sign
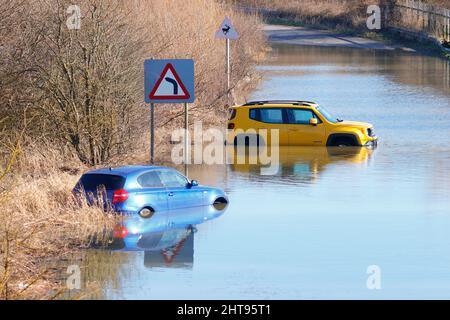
[169,255]
[169,86]
[226,30]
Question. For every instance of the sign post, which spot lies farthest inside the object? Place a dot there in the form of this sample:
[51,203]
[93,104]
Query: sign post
[152,133]
[186,134]
[168,81]
[228,64]
[228,32]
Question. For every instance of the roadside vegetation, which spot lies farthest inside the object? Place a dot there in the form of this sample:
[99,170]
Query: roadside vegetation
[41,224]
[343,15]
[73,99]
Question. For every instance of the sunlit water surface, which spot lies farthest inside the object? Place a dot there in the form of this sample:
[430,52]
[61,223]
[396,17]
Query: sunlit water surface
[312,230]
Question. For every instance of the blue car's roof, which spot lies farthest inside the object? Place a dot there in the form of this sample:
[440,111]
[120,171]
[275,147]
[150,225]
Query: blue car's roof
[125,170]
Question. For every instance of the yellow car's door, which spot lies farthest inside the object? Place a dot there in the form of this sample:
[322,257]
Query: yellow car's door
[270,119]
[301,132]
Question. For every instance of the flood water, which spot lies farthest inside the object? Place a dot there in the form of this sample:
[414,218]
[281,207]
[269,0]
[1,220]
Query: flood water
[312,230]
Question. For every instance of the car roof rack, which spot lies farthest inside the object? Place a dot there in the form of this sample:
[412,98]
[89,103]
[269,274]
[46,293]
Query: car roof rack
[294,102]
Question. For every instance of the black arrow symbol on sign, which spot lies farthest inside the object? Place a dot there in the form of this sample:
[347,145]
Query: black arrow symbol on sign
[174,83]
[226,29]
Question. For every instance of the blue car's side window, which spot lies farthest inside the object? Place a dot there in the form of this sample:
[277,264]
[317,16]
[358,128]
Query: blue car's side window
[173,179]
[150,180]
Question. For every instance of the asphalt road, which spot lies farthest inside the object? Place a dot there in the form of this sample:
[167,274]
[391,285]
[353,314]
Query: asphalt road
[313,37]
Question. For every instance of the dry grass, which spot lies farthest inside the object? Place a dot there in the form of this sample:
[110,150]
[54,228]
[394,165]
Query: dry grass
[42,223]
[442,3]
[337,14]
[430,22]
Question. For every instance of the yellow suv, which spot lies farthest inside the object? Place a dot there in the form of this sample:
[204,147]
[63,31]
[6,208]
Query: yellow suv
[300,123]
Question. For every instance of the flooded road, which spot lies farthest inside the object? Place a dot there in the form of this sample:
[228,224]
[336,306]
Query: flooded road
[312,230]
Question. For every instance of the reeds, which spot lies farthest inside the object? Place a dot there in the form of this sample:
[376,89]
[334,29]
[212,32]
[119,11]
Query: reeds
[41,222]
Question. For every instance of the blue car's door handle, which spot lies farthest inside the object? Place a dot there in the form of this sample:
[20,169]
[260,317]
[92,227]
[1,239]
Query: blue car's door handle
[170,194]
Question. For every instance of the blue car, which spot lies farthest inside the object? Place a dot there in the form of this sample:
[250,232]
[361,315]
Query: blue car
[146,190]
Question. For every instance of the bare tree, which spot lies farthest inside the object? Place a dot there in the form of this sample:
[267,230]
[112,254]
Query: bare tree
[87,78]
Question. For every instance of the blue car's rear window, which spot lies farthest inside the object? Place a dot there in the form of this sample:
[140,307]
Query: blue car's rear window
[94,180]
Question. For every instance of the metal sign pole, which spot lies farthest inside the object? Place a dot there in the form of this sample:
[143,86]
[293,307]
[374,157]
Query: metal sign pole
[186,134]
[152,133]
[228,63]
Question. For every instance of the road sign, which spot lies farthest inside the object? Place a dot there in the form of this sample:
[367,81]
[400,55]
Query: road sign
[169,81]
[226,30]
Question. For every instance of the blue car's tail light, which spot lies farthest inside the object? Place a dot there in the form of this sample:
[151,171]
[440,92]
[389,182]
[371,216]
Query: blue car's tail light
[120,196]
[120,232]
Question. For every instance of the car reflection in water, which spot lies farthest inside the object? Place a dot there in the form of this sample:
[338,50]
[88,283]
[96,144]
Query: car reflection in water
[167,239]
[300,163]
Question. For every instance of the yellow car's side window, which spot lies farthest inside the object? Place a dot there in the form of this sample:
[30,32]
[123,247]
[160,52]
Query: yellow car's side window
[268,115]
[301,116]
